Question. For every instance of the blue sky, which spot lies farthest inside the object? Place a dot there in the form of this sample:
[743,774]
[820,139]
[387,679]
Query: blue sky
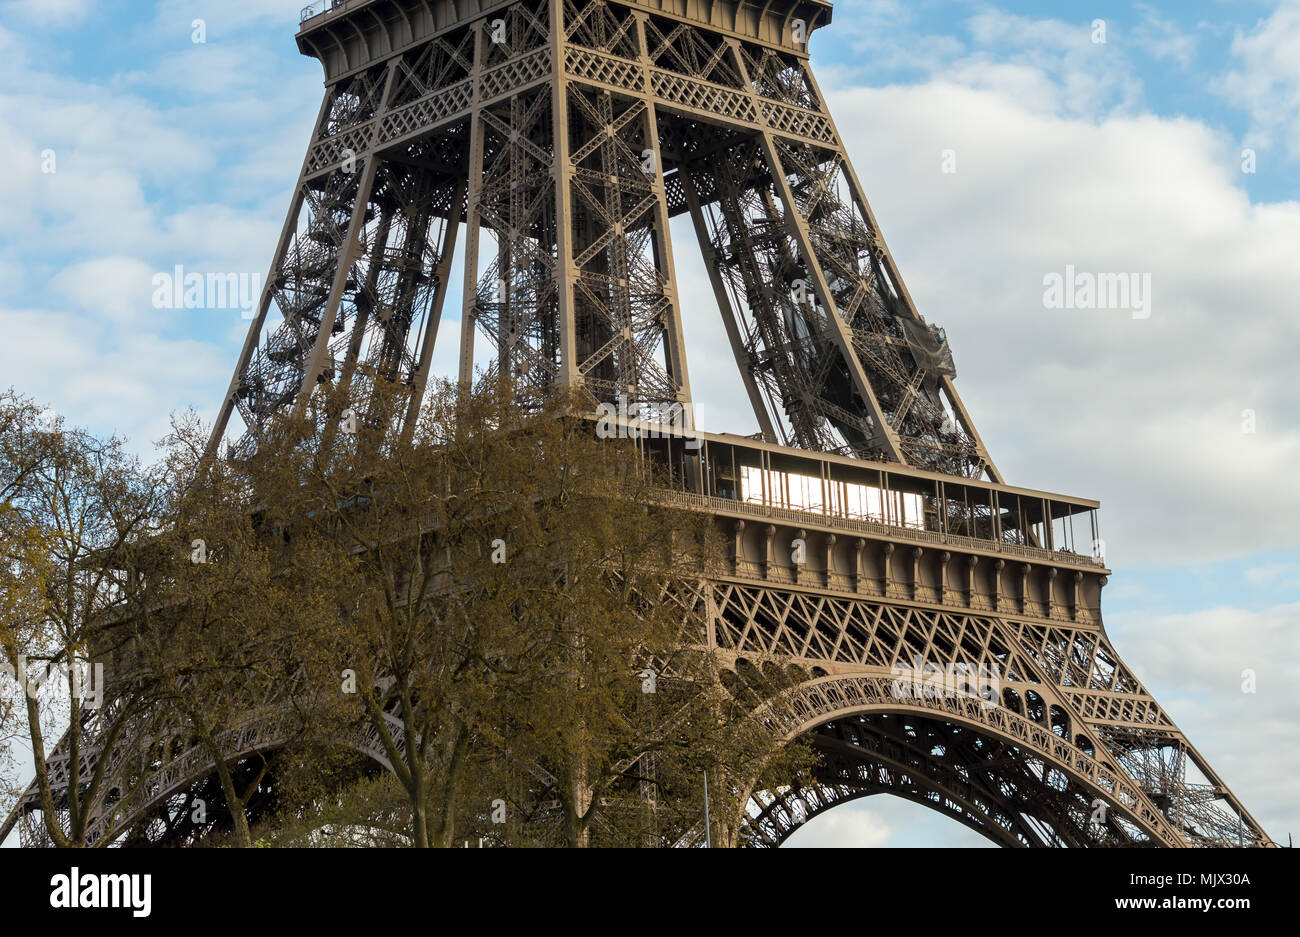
[1116,156]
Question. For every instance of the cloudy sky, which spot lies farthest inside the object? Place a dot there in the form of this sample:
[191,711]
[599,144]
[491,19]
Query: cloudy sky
[1128,156]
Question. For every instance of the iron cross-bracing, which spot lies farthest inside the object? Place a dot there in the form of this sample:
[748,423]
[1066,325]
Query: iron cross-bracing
[875,553]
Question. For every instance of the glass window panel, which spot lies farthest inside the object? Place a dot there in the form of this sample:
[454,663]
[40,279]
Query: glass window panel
[875,504]
[814,497]
[855,500]
[798,492]
[913,511]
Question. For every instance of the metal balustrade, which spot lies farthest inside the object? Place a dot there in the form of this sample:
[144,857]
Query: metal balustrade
[313,10]
[795,516]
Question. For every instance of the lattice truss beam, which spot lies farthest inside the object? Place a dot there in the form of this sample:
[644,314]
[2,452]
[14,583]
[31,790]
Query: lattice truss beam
[833,354]
[562,136]
[838,362]
[1069,728]
[356,289]
[1065,696]
[516,300]
[580,291]
[998,789]
[363,259]
[622,300]
[150,787]
[577,130]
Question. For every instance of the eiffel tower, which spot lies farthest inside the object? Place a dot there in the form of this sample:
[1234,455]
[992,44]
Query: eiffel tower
[873,547]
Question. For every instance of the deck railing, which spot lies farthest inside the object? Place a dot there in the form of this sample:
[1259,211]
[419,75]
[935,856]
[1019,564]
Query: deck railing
[312,10]
[793,515]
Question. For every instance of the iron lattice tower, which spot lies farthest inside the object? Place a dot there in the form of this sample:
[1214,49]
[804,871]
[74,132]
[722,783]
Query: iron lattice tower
[558,138]
[565,136]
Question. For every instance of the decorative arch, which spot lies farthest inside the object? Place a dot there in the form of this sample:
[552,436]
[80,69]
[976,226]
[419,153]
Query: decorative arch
[1009,777]
[185,774]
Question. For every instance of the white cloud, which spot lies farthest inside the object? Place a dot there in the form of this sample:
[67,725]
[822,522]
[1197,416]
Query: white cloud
[1266,79]
[115,379]
[1049,65]
[1057,59]
[224,18]
[874,26]
[116,288]
[849,826]
[139,186]
[885,821]
[1162,38]
[1273,576]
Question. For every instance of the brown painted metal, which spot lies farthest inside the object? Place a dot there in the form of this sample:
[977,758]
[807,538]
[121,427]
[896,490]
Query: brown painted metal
[564,134]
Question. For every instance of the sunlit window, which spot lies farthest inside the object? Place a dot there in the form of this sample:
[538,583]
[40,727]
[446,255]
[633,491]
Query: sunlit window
[751,484]
[841,499]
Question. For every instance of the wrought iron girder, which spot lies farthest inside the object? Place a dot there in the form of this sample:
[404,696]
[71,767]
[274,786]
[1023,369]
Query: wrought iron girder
[1120,733]
[988,785]
[535,122]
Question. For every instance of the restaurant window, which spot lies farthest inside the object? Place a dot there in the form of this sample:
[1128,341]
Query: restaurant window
[841,499]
